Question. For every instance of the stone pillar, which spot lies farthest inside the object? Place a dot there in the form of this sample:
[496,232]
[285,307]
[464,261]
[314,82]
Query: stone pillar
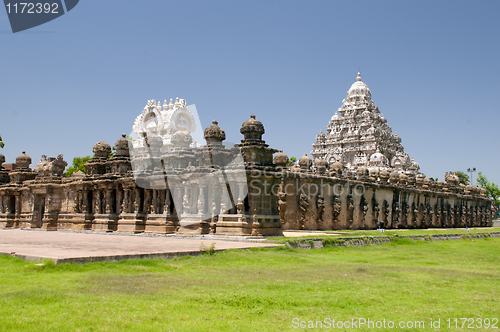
[17,204]
[147,201]
[108,201]
[137,200]
[119,200]
[166,203]
[77,208]
[154,202]
[125,206]
[186,209]
[97,201]
[201,200]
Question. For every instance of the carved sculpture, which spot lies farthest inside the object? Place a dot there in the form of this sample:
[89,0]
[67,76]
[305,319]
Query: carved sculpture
[320,204]
[303,206]
[363,207]
[375,210]
[337,206]
[350,210]
[282,206]
[385,211]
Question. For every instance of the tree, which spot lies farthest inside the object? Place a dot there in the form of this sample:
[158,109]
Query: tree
[462,177]
[492,189]
[2,144]
[78,165]
[292,161]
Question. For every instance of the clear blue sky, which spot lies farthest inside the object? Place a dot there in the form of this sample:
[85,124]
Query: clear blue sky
[432,66]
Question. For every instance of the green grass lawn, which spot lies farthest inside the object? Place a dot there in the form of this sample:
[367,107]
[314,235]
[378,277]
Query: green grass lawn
[257,290]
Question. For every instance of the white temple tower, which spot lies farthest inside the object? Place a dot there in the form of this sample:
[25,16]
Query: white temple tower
[358,135]
[163,122]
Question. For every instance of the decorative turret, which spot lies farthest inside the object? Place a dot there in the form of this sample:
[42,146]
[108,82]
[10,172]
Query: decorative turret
[23,161]
[101,150]
[321,166]
[252,129]
[121,146]
[280,159]
[214,135]
[255,150]
[305,163]
[23,172]
[97,165]
[120,163]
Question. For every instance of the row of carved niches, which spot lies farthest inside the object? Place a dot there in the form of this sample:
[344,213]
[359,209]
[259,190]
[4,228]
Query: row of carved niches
[384,176]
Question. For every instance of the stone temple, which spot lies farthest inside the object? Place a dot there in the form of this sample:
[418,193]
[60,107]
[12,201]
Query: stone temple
[358,136]
[164,182]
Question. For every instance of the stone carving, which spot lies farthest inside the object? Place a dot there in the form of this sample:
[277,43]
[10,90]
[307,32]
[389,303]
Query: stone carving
[385,212]
[464,220]
[240,207]
[337,206]
[363,207]
[77,202]
[186,208]
[137,201]
[97,206]
[375,210]
[395,213]
[282,206]
[320,204]
[201,202]
[108,201]
[403,217]
[350,210]
[303,206]
[439,213]
[414,210]
[51,166]
[430,216]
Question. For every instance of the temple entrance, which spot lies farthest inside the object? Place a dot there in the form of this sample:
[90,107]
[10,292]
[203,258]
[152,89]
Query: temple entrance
[38,211]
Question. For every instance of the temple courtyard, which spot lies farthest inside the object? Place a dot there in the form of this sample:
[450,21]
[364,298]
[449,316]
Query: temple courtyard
[72,247]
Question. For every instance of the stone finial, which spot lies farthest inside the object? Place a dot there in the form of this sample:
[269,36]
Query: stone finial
[214,133]
[280,159]
[102,149]
[252,128]
[358,78]
[23,161]
[305,162]
[122,146]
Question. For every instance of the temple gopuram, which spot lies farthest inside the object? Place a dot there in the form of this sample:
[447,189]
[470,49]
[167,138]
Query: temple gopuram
[164,182]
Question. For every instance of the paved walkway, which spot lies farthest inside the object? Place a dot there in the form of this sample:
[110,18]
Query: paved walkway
[62,247]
